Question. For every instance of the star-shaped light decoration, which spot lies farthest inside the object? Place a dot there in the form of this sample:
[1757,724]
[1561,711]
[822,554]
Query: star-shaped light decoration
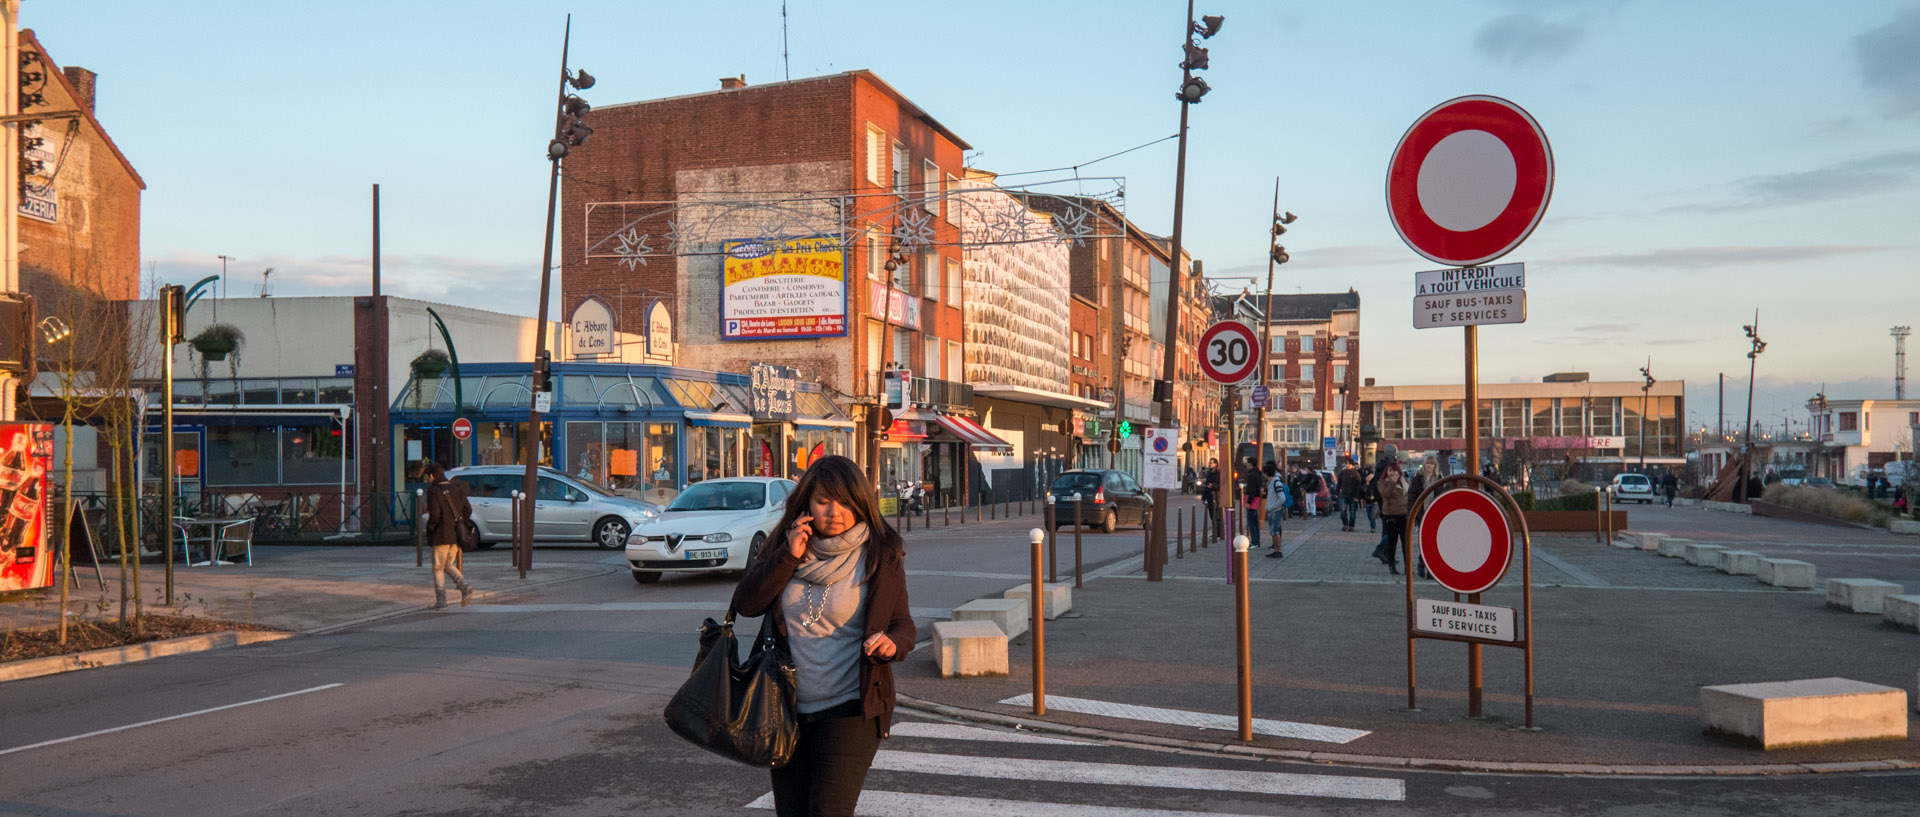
[633,249]
[1072,226]
[914,231]
[676,239]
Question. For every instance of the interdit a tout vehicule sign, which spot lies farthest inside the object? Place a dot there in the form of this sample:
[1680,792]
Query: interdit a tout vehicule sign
[1463,296]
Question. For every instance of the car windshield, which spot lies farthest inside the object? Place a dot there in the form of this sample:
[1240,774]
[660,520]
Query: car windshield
[1082,482]
[721,496]
[1633,479]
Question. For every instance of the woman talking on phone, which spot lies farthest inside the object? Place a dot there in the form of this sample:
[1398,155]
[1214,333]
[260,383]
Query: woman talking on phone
[835,579]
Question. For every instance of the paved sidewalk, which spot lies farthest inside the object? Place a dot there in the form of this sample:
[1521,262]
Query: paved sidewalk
[298,588]
[1624,641]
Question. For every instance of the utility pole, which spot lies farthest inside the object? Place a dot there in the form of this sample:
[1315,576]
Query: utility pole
[1192,88]
[1276,255]
[1644,387]
[1900,334]
[1753,356]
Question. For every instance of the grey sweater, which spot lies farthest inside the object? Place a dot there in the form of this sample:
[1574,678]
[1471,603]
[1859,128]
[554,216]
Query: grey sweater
[826,651]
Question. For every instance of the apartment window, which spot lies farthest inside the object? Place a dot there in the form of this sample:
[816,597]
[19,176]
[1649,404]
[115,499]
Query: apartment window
[1450,420]
[1393,420]
[1913,418]
[953,213]
[874,333]
[931,349]
[1306,343]
[1420,419]
[930,275]
[1306,401]
[876,254]
[930,187]
[1306,372]
[876,155]
[955,362]
[953,282]
[1339,346]
[1340,373]
[903,348]
[902,167]
[1279,371]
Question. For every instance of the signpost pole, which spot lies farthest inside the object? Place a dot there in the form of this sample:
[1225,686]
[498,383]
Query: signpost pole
[1472,417]
[1039,603]
[1243,630]
[1077,518]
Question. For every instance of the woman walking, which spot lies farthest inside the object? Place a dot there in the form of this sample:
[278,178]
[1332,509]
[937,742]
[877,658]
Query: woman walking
[837,585]
[1393,515]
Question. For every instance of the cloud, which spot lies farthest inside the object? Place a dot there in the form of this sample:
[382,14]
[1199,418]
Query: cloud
[1890,63]
[1708,257]
[1605,327]
[1883,173]
[1525,41]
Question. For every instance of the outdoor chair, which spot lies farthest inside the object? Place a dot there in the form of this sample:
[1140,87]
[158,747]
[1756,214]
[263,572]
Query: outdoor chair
[234,540]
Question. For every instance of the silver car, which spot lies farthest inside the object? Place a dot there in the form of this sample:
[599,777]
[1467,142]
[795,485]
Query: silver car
[565,507]
[719,525]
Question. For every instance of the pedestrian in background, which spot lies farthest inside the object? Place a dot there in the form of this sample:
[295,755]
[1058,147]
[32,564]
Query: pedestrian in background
[1210,497]
[1276,506]
[1393,489]
[1253,499]
[1370,499]
[837,587]
[1669,486]
[1348,486]
[447,506]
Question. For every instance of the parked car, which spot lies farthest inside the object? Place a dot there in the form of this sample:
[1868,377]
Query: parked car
[1108,499]
[1324,500]
[1820,482]
[565,507]
[719,525]
[1635,487]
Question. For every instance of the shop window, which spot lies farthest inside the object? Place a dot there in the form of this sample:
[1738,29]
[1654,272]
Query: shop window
[298,391]
[338,389]
[242,455]
[1451,422]
[260,392]
[315,455]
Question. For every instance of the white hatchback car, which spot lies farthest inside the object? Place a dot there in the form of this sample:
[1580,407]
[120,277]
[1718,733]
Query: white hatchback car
[1632,487]
[714,526]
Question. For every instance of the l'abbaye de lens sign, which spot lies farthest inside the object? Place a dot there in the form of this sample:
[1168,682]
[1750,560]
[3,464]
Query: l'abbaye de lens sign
[783,288]
[590,329]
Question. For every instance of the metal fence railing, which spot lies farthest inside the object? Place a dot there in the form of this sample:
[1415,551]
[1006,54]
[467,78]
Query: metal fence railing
[278,515]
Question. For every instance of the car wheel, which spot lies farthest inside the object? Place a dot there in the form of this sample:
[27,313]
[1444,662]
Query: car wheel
[484,544]
[753,551]
[611,533]
[1109,522]
[645,577]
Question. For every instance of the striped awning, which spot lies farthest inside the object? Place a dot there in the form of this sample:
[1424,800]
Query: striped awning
[972,433]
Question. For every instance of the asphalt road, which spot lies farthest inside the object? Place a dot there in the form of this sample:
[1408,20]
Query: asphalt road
[548,702]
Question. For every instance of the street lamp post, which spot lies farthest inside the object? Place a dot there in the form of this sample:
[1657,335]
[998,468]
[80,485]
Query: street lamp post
[1746,452]
[1644,388]
[1192,88]
[569,131]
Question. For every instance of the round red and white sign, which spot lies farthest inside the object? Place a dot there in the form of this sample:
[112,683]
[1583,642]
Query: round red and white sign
[462,428]
[1229,351]
[1469,181]
[1465,541]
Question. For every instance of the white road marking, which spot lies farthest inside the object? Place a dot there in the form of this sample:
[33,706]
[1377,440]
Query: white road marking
[955,731]
[164,720]
[902,804]
[1180,717]
[1117,774]
[962,574]
[641,607]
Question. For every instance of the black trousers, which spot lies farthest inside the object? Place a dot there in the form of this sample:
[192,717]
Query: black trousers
[828,769]
[1393,535]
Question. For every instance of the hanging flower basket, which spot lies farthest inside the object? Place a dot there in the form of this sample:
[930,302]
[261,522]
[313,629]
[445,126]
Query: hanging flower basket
[217,341]
[431,364]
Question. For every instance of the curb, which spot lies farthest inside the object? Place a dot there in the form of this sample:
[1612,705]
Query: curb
[111,656]
[1238,750]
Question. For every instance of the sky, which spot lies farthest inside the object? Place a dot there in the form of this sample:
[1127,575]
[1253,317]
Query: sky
[1712,158]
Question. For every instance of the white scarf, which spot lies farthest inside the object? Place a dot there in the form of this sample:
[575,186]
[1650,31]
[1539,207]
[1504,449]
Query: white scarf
[831,558]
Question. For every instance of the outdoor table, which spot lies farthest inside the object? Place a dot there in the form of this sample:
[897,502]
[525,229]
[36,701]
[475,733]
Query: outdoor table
[213,525]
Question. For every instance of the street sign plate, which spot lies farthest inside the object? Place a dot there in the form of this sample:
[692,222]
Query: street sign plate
[1477,621]
[1477,309]
[1229,351]
[543,401]
[1260,396]
[1465,541]
[1469,280]
[1162,456]
[1469,180]
[462,428]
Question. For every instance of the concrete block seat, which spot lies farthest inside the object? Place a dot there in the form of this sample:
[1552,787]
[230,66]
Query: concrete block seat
[1677,543]
[1909,527]
[1739,562]
[1902,612]
[1650,541]
[1860,595]
[1707,555]
[1010,615]
[1674,548]
[1812,712]
[968,648]
[1059,597]
[1789,573]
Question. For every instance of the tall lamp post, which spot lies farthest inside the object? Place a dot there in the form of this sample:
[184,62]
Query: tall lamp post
[1644,388]
[1276,255]
[1746,451]
[1192,88]
[569,132]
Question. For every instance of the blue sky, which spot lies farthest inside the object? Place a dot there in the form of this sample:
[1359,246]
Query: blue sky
[1712,157]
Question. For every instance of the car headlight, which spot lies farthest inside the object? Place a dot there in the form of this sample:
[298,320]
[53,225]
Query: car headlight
[643,515]
[720,537]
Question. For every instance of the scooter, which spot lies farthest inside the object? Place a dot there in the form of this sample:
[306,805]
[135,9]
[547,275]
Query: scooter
[913,495]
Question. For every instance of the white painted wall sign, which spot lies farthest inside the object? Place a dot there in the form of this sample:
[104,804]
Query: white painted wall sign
[590,329]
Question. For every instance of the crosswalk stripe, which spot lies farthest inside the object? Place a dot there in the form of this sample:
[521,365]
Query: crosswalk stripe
[1204,720]
[1116,774]
[955,731]
[902,804]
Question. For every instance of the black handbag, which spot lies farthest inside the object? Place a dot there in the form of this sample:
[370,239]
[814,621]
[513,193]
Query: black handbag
[741,710]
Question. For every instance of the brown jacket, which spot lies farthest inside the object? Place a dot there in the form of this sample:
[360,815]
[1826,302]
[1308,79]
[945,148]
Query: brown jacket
[758,593]
[1393,497]
[446,505]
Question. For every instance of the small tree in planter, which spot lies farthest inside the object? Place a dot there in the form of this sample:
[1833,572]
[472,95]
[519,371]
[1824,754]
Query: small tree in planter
[219,341]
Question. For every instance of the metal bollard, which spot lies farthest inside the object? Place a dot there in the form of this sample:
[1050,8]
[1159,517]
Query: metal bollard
[419,529]
[993,509]
[946,513]
[1053,543]
[1179,533]
[514,513]
[1245,638]
[1079,518]
[1039,605]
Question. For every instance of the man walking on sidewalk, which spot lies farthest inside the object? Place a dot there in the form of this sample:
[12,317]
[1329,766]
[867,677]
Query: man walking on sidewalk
[447,508]
[1210,497]
[1347,485]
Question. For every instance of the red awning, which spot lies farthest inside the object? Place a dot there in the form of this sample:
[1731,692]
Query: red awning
[973,434]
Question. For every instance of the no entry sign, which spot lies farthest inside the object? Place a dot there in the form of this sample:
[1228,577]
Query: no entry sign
[462,428]
[1465,541]
[1470,180]
[1229,351]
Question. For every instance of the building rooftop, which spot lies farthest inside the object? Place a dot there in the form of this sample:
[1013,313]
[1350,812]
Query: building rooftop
[1311,306]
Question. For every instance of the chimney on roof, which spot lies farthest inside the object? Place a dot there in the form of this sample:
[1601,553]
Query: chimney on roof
[83,82]
[730,83]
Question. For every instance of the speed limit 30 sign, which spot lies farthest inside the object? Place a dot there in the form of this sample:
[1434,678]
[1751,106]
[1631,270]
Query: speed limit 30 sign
[1229,351]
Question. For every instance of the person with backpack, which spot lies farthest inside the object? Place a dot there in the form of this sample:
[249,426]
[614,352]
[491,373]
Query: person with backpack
[1310,485]
[1348,487]
[1210,497]
[447,511]
[1253,500]
[1276,506]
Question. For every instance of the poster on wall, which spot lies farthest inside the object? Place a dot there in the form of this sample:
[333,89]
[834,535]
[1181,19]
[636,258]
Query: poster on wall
[41,147]
[779,289]
[26,454]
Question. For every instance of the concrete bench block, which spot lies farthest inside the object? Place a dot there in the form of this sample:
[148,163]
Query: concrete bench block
[1010,615]
[1910,527]
[1059,597]
[1902,612]
[1860,595]
[1739,562]
[1650,541]
[1789,573]
[1707,555]
[1673,549]
[967,648]
[1806,713]
[1679,543]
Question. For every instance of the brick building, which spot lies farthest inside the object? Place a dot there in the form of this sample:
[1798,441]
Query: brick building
[1314,370]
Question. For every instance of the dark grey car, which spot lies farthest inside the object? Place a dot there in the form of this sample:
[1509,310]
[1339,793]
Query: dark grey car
[1108,499]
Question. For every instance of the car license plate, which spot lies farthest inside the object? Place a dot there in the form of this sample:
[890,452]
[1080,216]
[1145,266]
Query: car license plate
[707,554]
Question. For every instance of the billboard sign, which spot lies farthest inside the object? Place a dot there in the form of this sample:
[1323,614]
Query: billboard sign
[783,288]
